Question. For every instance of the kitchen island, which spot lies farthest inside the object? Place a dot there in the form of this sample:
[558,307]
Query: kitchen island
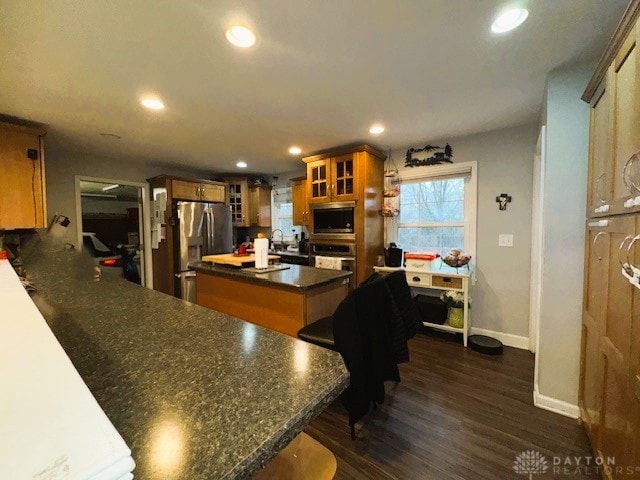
[283,300]
[196,394]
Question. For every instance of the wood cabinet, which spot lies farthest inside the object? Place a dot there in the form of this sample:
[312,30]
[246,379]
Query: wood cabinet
[260,206]
[332,179]
[199,192]
[250,203]
[22,179]
[609,395]
[299,198]
[354,174]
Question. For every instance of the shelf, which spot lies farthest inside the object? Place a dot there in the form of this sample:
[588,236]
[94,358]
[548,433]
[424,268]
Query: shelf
[419,285]
[445,327]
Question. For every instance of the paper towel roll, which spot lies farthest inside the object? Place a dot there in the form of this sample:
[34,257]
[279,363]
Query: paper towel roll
[261,247]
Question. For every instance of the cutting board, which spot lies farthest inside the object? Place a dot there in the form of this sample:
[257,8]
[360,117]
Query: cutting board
[231,259]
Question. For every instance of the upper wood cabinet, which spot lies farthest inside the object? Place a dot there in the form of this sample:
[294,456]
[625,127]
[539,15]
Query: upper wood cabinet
[22,180]
[260,206]
[339,175]
[301,215]
[600,152]
[239,201]
[199,191]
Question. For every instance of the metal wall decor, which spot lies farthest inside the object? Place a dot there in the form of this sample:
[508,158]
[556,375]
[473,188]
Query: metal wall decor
[436,159]
[503,199]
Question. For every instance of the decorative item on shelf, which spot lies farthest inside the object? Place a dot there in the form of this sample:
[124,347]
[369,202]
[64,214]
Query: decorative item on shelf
[455,302]
[391,192]
[420,261]
[456,259]
[437,158]
[389,212]
[503,199]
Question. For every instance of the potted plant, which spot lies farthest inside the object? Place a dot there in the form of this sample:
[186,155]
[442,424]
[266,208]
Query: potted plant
[455,302]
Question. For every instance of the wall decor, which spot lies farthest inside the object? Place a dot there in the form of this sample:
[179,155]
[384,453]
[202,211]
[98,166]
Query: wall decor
[503,199]
[436,159]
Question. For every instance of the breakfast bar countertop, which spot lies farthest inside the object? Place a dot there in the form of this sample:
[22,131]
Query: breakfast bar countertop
[297,277]
[195,393]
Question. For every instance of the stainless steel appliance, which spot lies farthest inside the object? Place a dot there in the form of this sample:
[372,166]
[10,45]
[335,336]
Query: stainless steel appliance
[345,250]
[203,229]
[333,218]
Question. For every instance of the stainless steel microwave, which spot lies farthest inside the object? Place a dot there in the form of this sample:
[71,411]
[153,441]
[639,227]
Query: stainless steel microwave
[336,217]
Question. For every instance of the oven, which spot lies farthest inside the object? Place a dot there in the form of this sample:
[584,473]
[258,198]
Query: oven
[346,251]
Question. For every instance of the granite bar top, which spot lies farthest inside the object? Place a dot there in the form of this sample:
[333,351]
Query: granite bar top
[287,253]
[196,394]
[296,277]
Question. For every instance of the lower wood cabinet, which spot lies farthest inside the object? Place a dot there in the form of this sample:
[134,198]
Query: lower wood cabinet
[609,395]
[22,181]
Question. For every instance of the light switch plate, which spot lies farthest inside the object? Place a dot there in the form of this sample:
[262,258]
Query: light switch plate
[505,240]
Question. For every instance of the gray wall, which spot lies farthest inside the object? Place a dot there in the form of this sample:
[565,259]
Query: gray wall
[63,166]
[505,165]
[564,209]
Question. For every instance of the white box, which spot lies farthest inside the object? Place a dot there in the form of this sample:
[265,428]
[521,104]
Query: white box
[416,265]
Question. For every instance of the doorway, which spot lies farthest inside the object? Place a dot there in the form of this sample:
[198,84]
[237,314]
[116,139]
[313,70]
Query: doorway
[112,219]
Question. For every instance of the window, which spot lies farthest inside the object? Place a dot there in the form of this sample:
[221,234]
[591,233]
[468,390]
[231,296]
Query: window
[437,210]
[282,212]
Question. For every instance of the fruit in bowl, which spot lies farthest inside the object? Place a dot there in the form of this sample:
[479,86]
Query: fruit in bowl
[455,258]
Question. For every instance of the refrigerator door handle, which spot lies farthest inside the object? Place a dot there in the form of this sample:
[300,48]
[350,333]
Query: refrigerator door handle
[212,233]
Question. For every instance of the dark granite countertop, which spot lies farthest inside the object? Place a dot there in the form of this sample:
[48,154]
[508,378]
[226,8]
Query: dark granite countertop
[287,253]
[196,394]
[296,277]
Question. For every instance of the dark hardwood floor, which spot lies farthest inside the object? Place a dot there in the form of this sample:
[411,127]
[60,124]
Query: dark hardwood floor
[457,414]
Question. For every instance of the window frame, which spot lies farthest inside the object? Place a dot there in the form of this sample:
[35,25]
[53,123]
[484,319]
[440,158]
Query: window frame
[288,191]
[470,201]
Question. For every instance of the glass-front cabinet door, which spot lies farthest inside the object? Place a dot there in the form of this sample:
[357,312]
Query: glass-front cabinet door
[318,178]
[238,201]
[343,185]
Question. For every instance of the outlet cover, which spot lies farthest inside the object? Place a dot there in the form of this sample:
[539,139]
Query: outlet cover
[505,240]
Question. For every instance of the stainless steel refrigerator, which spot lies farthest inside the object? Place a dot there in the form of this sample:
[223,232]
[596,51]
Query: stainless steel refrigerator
[203,229]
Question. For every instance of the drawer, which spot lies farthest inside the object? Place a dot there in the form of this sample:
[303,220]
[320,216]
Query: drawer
[415,279]
[446,282]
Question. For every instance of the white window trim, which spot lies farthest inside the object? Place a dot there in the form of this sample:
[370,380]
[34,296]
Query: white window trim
[470,199]
[287,236]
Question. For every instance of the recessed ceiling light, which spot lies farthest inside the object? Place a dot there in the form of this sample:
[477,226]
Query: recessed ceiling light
[240,36]
[509,19]
[295,150]
[376,129]
[152,103]
[241,164]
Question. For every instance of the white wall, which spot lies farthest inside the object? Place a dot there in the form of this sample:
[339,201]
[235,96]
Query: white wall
[505,165]
[63,166]
[101,205]
[567,144]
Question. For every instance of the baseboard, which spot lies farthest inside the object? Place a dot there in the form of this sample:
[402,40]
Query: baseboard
[507,339]
[554,405]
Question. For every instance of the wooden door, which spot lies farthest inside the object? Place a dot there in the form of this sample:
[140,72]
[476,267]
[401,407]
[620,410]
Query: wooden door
[300,204]
[239,202]
[318,181]
[343,178]
[213,193]
[616,432]
[597,255]
[182,190]
[22,203]
[260,206]
[600,151]
[626,120]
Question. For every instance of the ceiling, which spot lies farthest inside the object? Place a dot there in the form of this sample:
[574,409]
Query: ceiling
[319,76]
[95,190]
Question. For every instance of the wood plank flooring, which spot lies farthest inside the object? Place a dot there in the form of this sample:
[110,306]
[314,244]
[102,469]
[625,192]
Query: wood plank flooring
[457,414]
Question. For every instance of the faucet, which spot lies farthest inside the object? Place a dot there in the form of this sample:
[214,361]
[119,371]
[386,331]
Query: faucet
[281,238]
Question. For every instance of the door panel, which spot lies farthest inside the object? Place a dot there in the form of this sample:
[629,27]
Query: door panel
[190,231]
[213,193]
[601,161]
[626,119]
[318,181]
[300,205]
[343,183]
[185,190]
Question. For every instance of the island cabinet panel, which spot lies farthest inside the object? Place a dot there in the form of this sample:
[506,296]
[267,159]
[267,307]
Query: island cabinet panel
[22,183]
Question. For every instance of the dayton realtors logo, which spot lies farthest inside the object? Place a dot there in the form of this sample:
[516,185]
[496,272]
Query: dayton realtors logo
[530,462]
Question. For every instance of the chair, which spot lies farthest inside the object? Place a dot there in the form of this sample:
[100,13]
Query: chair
[319,333]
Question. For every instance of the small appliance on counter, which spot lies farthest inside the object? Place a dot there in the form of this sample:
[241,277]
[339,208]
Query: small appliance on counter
[393,256]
